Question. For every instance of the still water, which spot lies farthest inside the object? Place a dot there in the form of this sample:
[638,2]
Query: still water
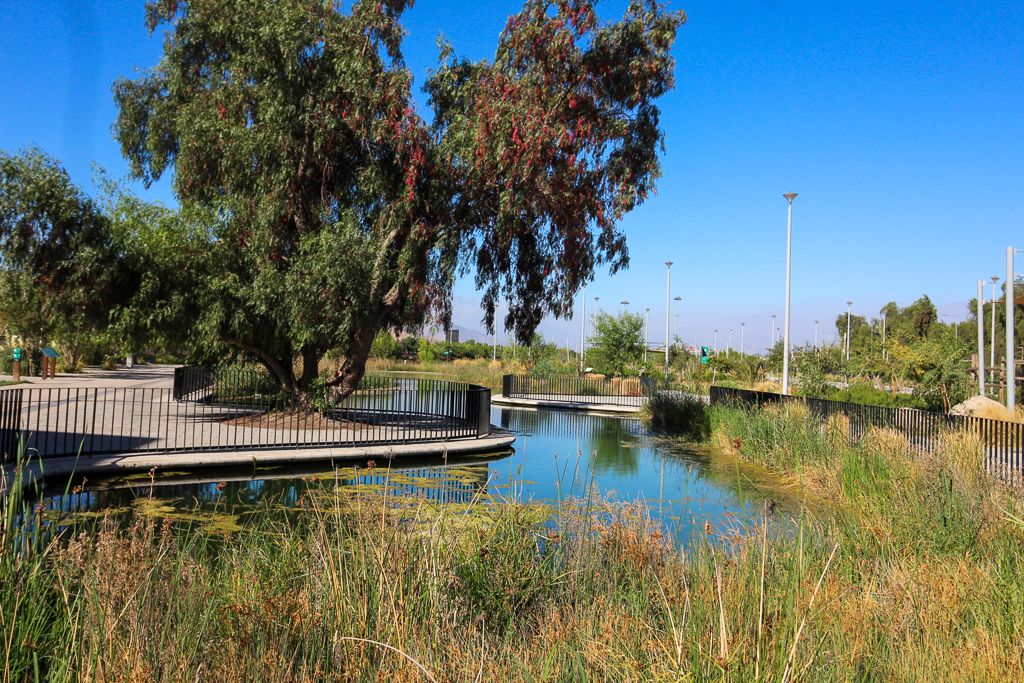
[556,454]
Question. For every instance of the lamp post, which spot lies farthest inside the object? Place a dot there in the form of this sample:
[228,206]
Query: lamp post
[992,358]
[981,337]
[885,351]
[815,334]
[647,334]
[790,196]
[668,310]
[1011,365]
[716,343]
[583,331]
[677,300]
[848,304]
[773,329]
[743,341]
[729,351]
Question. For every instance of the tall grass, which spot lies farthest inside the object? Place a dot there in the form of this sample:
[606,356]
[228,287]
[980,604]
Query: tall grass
[355,586]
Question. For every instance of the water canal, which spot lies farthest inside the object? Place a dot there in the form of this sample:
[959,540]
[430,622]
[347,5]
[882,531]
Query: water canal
[556,454]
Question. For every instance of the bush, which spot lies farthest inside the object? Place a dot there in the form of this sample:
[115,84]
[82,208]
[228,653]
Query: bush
[678,414]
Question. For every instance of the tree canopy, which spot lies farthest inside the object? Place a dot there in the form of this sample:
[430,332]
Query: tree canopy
[337,211]
[618,343]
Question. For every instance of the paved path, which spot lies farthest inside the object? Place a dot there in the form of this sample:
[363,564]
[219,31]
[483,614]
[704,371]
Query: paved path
[497,441]
[148,376]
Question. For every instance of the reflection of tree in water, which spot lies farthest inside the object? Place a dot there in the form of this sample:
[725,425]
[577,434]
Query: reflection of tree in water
[601,437]
[226,491]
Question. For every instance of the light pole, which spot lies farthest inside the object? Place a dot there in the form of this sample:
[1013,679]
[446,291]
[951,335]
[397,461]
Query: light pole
[668,310]
[1011,365]
[981,337]
[677,300]
[716,343]
[815,334]
[790,196]
[773,329]
[583,331]
[848,304]
[647,334]
[992,358]
[885,351]
[729,352]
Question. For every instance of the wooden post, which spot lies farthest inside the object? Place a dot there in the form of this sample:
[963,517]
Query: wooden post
[16,371]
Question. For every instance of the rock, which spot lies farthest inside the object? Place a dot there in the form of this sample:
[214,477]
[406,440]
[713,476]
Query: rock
[977,405]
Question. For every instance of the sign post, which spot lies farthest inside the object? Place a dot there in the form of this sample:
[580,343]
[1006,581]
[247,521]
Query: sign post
[16,371]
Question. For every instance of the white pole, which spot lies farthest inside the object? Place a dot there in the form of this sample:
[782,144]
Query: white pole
[790,196]
[773,330]
[981,337]
[1011,365]
[815,334]
[885,351]
[668,311]
[647,334]
[716,343]
[848,305]
[743,341]
[992,351]
[583,330]
[729,352]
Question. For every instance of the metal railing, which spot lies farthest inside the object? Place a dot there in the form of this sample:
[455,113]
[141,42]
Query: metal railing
[204,411]
[1003,442]
[630,391]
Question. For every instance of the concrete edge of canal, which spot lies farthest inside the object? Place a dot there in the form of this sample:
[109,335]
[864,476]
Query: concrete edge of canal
[498,439]
[605,408]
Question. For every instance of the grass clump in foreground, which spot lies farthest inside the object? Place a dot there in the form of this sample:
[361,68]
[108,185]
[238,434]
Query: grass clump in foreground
[361,587]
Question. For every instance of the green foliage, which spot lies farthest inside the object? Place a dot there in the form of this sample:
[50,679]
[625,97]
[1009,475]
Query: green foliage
[679,414]
[384,346]
[425,350]
[618,344]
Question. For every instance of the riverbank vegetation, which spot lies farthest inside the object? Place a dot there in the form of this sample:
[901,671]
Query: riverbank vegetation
[915,574]
[930,545]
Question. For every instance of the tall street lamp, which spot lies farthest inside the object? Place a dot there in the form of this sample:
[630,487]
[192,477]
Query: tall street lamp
[668,311]
[848,304]
[815,334]
[583,330]
[647,334]
[677,300]
[1011,360]
[790,196]
[729,352]
[716,342]
[992,358]
[743,341]
[773,329]
[981,337]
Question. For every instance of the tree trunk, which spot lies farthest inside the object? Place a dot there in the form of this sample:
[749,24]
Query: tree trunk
[347,378]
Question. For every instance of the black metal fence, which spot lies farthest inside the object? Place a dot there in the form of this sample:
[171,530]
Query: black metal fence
[204,411]
[630,391]
[1003,441]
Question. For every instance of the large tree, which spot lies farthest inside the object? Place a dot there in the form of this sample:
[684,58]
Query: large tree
[340,212]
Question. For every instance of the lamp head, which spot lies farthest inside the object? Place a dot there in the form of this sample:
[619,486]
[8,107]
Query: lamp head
[668,263]
[790,196]
[849,303]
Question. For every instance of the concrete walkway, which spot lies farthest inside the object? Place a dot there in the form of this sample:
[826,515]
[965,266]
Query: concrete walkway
[138,377]
[498,440]
[126,424]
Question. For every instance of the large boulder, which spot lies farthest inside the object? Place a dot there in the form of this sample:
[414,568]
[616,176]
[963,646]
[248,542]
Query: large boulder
[979,406]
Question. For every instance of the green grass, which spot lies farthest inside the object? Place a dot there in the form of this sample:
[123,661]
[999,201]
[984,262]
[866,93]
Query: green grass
[916,575]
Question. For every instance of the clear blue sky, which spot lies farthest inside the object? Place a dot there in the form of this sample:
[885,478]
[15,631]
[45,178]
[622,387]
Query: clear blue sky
[898,124]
